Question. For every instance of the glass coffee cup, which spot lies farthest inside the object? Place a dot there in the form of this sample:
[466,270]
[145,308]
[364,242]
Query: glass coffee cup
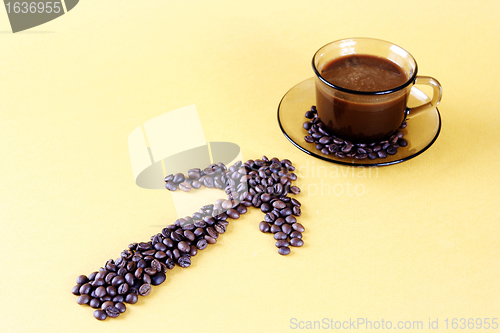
[354,96]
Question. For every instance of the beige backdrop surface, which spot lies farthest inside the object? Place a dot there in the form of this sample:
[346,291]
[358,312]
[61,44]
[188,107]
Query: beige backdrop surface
[419,243]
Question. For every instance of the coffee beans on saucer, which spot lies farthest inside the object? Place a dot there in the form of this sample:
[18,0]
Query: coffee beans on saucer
[329,144]
[263,183]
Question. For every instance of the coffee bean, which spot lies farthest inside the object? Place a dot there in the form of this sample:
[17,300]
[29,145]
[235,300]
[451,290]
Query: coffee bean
[241,209]
[232,213]
[82,279]
[76,290]
[227,204]
[144,246]
[391,150]
[138,273]
[298,227]
[184,262]
[145,289]
[117,280]
[264,226]
[158,278]
[194,173]
[131,298]
[284,250]
[178,178]
[149,252]
[382,154]
[402,142]
[201,224]
[324,140]
[171,186]
[100,315]
[279,204]
[98,282]
[168,242]
[161,255]
[176,254]
[297,242]
[286,228]
[201,244]
[266,197]
[282,243]
[212,233]
[121,307]
[122,271]
[107,304]
[185,187]
[296,211]
[199,231]
[146,278]
[347,148]
[285,212]
[176,237]
[265,207]
[269,217]
[274,229]
[279,221]
[119,298]
[123,288]
[280,235]
[95,303]
[295,189]
[210,239]
[309,114]
[208,182]
[85,289]
[100,292]
[112,312]
[192,252]
[220,228]
[83,299]
[256,202]
[316,136]
[106,298]
[361,156]
[183,246]
[110,266]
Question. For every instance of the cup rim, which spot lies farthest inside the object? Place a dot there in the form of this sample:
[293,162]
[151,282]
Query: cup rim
[357,92]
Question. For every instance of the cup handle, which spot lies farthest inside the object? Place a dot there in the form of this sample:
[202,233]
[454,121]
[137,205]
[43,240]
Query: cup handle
[436,96]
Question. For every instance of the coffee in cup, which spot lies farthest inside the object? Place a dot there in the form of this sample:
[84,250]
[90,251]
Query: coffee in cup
[362,88]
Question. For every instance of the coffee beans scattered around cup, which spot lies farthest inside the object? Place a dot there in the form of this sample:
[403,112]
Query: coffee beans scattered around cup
[263,183]
[329,144]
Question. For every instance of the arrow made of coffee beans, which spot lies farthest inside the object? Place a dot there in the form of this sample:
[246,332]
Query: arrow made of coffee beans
[263,183]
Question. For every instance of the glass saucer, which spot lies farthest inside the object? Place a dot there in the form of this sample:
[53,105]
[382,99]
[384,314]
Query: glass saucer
[421,132]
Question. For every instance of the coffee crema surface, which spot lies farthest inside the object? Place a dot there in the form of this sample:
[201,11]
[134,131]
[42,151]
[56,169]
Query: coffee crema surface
[361,72]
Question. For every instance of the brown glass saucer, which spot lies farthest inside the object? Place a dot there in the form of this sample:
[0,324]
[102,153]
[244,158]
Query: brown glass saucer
[421,132]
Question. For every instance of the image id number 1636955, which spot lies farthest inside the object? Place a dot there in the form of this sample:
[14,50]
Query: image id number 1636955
[33,7]
[471,323]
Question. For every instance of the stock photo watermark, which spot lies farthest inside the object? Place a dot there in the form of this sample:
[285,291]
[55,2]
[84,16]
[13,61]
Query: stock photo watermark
[360,323]
[25,15]
[334,180]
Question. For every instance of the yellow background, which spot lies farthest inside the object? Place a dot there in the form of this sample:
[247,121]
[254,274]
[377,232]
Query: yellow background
[420,242]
